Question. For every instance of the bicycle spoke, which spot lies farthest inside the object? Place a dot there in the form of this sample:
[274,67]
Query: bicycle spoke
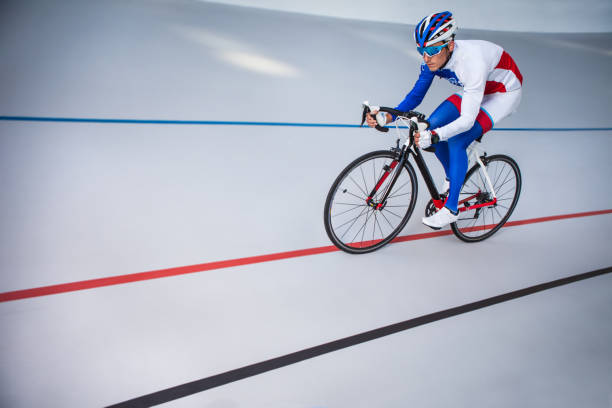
[356,196]
[380,175]
[475,185]
[402,186]
[498,172]
[382,234]
[508,191]
[382,191]
[393,213]
[503,184]
[355,225]
[374,224]
[363,178]
[354,220]
[388,222]
[364,227]
[505,181]
[359,230]
[358,186]
[353,204]
[484,222]
[367,217]
[344,212]
[505,178]
[374,173]
[473,223]
[497,211]
[399,195]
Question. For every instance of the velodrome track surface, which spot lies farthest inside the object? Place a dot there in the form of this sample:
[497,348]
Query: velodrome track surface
[93,200]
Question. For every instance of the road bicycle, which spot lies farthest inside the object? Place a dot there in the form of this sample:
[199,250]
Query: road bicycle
[372,199]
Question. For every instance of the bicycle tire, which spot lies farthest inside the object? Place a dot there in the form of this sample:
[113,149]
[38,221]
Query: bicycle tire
[406,187]
[502,177]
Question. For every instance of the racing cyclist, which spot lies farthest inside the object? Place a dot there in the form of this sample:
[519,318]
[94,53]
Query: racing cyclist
[491,84]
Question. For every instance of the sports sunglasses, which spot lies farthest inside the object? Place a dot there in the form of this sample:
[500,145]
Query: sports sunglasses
[432,50]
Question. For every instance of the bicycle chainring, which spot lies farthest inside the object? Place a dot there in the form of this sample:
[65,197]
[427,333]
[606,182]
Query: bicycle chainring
[430,209]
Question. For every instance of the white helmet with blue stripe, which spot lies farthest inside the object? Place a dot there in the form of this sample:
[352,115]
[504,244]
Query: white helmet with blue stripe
[434,28]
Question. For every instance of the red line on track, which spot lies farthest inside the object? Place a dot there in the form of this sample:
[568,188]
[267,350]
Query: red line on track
[182,270]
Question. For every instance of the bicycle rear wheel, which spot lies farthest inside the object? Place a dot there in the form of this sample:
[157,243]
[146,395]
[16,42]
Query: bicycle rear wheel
[356,226]
[480,223]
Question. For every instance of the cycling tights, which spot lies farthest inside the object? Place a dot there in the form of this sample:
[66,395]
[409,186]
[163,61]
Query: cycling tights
[452,152]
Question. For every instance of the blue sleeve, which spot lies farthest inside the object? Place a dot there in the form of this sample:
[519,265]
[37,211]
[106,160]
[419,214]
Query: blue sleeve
[420,88]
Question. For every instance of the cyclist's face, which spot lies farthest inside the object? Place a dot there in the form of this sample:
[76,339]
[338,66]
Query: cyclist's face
[437,61]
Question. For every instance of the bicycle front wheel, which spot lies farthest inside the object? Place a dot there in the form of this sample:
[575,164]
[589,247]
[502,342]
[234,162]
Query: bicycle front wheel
[357,224]
[488,212]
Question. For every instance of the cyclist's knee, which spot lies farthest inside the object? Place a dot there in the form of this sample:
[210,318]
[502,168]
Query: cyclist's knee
[463,140]
[443,115]
[455,144]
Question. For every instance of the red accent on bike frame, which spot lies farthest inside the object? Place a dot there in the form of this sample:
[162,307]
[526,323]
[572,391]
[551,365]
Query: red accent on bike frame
[383,178]
[473,207]
[469,198]
[439,203]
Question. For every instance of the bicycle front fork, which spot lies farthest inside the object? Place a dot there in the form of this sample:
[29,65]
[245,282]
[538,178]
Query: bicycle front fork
[388,168]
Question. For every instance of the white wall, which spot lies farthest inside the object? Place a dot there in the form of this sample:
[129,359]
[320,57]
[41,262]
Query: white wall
[519,15]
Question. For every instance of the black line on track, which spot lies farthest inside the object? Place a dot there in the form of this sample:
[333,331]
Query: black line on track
[194,387]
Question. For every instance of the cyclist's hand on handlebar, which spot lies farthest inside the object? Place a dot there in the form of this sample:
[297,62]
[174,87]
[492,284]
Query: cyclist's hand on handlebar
[417,137]
[371,119]
[425,138]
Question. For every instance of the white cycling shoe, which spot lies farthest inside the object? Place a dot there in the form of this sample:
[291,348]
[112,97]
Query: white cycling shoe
[440,219]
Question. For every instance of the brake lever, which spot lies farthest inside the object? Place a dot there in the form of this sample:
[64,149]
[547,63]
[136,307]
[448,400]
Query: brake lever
[366,110]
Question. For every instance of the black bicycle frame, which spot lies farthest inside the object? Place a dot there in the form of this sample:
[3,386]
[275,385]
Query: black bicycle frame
[404,156]
[431,186]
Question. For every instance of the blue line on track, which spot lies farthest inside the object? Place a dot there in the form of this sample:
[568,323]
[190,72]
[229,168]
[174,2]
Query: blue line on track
[235,123]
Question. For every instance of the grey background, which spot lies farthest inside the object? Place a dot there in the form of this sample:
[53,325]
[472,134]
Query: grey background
[83,201]
[519,15]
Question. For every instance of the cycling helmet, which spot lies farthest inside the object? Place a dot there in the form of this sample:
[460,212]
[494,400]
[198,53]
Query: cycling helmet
[434,28]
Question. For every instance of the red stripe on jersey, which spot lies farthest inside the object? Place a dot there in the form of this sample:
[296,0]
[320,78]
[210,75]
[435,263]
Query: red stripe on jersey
[482,118]
[485,121]
[506,62]
[455,100]
[492,87]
